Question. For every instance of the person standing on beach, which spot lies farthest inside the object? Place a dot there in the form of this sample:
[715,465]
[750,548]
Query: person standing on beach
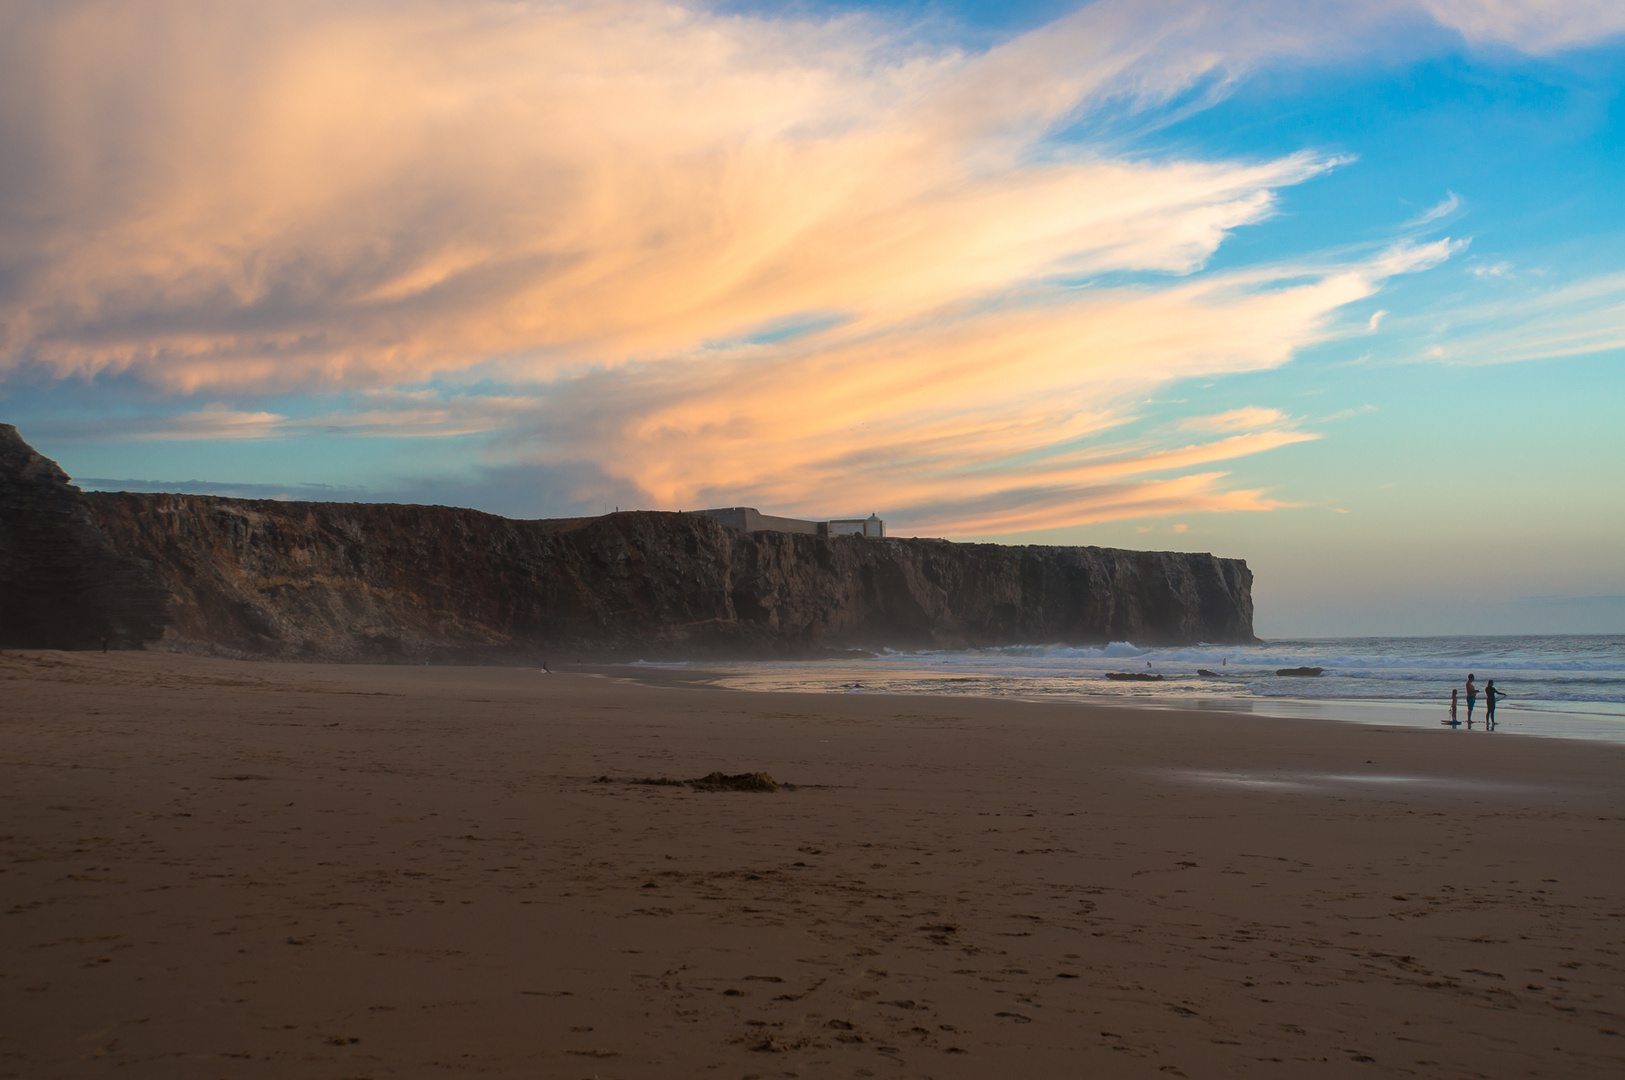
[1453,693]
[1490,694]
[1472,698]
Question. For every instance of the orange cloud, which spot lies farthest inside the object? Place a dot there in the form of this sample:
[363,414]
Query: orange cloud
[1237,420]
[989,421]
[301,194]
[993,420]
[618,204]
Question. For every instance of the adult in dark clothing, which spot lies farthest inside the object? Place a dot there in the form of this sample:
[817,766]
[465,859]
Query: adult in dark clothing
[1490,694]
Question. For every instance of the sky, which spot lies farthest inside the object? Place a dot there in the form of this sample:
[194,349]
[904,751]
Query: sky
[1335,287]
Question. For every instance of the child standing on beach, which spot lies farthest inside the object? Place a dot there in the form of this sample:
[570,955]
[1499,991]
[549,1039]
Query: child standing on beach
[1453,693]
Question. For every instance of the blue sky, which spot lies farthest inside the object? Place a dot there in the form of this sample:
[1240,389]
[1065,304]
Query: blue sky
[1342,293]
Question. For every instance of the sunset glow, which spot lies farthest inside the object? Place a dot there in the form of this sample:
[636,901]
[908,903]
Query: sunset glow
[991,275]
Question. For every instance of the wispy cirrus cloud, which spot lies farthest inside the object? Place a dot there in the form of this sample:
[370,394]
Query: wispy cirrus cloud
[810,263]
[998,420]
[1576,319]
[306,194]
[1250,417]
[213,421]
[390,414]
[1442,209]
[1537,26]
[346,194]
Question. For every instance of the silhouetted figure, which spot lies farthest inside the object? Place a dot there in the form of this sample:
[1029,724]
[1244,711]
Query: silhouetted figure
[1453,693]
[1490,694]
[104,646]
[1472,698]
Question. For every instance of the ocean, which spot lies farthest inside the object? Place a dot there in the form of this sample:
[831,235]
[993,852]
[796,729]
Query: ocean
[1570,686]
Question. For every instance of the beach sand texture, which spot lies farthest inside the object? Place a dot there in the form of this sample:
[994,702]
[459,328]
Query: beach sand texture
[222,869]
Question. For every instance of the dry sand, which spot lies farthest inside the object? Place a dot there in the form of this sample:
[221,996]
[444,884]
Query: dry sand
[217,869]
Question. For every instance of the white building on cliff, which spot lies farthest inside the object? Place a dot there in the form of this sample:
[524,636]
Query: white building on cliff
[869,526]
[748,519]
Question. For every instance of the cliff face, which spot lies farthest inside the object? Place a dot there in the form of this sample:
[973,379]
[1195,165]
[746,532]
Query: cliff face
[355,581]
[62,586]
[378,582]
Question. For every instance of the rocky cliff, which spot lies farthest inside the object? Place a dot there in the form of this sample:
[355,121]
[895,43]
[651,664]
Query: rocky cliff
[62,585]
[378,582]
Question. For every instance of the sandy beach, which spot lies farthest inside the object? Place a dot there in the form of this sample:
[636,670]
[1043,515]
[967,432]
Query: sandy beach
[224,869]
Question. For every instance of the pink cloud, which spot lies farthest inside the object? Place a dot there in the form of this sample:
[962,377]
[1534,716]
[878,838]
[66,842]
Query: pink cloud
[987,421]
[301,195]
[1243,419]
[610,200]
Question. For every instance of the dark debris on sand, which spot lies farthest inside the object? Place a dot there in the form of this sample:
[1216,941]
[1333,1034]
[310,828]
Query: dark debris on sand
[756,781]
[716,781]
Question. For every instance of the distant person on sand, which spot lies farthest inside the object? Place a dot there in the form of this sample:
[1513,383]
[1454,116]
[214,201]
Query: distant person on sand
[1453,693]
[1472,698]
[1490,694]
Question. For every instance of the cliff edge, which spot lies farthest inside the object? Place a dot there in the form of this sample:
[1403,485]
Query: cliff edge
[62,584]
[372,581]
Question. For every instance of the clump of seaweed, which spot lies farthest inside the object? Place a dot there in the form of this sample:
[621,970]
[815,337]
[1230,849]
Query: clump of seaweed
[717,781]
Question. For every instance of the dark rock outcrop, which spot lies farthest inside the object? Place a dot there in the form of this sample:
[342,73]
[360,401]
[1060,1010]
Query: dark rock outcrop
[365,581]
[62,586]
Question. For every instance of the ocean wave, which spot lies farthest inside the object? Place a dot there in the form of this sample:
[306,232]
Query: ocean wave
[1325,688]
[1602,657]
[1553,679]
[1590,669]
[1499,675]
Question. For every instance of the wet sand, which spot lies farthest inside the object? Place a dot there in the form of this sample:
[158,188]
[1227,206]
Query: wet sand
[220,869]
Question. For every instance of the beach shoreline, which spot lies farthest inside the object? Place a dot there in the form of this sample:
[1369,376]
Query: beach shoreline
[1561,720]
[248,869]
